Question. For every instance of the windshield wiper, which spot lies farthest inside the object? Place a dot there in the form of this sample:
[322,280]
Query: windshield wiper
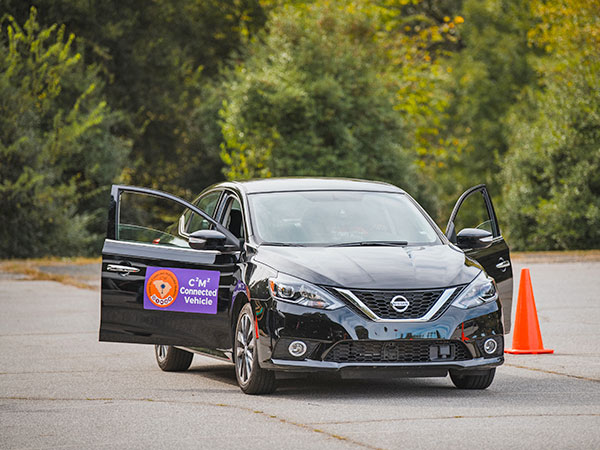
[281,244]
[371,244]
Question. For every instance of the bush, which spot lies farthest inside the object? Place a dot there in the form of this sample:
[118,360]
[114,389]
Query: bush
[58,155]
[315,98]
[552,174]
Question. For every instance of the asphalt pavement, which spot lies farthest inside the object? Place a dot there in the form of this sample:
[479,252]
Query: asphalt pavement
[61,388]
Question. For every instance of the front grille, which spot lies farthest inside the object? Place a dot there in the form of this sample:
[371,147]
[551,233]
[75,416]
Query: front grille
[418,351]
[420,302]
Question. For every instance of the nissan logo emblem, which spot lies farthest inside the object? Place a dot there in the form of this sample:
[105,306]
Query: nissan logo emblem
[399,303]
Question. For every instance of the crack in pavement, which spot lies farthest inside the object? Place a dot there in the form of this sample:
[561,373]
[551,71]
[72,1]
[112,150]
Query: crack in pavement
[553,372]
[46,372]
[497,416]
[60,333]
[307,427]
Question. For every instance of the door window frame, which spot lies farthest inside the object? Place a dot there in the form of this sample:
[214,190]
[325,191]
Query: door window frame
[223,208]
[450,228]
[115,205]
[184,222]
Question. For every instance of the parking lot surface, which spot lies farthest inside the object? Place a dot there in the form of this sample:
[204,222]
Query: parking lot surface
[61,388]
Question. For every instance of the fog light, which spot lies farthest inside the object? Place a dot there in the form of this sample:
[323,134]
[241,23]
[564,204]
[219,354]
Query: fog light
[297,348]
[490,346]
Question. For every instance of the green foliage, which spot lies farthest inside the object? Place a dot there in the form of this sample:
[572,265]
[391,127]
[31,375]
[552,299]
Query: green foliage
[57,152]
[315,97]
[432,95]
[552,173]
[486,78]
[157,59]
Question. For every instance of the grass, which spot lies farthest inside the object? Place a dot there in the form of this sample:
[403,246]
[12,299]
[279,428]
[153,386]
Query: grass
[31,269]
[558,256]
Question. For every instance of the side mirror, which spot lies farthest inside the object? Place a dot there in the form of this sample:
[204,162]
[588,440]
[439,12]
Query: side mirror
[473,238]
[207,240]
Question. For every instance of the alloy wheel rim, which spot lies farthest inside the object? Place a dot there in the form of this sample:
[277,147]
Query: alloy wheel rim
[244,349]
[161,352]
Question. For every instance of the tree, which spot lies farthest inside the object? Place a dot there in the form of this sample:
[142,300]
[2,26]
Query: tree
[315,97]
[58,154]
[420,35]
[552,173]
[157,60]
[486,78]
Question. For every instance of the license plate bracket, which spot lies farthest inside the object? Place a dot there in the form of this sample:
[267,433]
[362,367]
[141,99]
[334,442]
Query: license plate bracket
[390,352]
[441,352]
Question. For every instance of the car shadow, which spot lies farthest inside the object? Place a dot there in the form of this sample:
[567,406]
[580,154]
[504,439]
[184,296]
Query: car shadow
[321,385]
[223,372]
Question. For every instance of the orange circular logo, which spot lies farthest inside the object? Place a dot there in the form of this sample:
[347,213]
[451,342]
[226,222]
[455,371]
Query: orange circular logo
[162,288]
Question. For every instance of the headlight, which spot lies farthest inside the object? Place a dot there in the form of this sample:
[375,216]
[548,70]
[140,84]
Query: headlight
[481,290]
[293,290]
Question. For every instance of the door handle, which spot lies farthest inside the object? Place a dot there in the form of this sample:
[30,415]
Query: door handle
[503,265]
[123,270]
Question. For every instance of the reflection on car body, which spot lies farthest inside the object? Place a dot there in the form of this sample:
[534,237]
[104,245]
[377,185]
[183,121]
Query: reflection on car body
[308,274]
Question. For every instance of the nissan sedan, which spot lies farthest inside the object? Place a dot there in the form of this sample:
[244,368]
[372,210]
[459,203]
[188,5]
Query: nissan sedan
[306,275]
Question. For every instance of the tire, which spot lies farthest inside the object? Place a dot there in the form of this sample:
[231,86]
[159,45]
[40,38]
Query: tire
[251,378]
[471,381]
[171,359]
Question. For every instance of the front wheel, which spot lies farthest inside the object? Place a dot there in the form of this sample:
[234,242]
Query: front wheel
[473,381]
[171,359]
[250,376]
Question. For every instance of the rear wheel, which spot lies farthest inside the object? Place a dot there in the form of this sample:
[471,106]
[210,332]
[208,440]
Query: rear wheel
[171,359]
[473,381]
[250,376]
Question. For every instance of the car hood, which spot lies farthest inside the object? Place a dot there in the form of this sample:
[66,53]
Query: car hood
[410,267]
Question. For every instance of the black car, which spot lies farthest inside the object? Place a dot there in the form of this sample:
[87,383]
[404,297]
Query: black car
[305,275]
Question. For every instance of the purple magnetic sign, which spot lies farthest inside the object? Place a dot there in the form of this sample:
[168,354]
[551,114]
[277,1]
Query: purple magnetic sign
[185,290]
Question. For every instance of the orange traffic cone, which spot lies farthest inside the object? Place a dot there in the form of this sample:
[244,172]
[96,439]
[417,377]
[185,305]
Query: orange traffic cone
[527,337]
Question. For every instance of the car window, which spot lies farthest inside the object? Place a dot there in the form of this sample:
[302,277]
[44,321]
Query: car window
[473,213]
[148,219]
[337,217]
[208,204]
[233,219]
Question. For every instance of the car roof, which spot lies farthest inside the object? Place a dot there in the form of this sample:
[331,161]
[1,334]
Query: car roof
[310,184]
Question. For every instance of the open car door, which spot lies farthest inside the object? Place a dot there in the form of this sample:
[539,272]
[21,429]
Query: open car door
[480,238]
[156,288]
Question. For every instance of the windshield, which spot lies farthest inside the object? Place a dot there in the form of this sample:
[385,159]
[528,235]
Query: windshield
[339,218]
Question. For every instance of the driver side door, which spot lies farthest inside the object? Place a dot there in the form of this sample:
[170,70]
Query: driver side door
[474,209]
[156,289]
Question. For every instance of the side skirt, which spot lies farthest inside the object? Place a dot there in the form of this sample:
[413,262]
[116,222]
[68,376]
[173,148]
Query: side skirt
[220,354]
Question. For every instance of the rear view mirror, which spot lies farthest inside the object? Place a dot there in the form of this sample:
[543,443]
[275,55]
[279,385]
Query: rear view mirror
[207,240]
[473,238]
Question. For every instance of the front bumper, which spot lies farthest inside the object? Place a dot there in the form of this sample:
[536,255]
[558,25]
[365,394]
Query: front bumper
[322,330]
[388,369]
